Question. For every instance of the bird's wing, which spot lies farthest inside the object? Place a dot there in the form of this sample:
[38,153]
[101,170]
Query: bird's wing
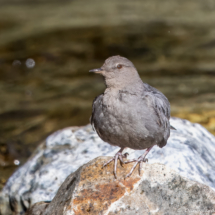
[164,103]
[161,107]
[93,110]
[161,103]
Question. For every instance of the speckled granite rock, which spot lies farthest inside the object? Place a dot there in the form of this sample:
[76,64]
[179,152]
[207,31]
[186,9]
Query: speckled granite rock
[158,190]
[190,151]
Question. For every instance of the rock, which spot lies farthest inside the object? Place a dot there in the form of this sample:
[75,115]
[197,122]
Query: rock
[158,190]
[190,151]
[38,208]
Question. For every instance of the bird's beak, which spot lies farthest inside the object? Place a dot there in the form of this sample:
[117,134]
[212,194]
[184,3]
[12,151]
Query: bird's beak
[98,70]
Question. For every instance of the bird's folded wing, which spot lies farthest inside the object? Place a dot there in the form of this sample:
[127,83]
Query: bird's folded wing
[161,106]
[93,110]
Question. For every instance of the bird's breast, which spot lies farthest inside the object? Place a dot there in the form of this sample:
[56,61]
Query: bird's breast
[122,120]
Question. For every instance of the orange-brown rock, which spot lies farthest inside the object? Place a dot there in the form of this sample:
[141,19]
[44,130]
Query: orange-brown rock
[158,190]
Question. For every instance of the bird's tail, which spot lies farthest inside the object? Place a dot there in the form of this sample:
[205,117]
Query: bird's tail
[171,127]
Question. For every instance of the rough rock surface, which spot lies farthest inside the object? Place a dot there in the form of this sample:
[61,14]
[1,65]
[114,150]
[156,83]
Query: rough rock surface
[158,190]
[190,151]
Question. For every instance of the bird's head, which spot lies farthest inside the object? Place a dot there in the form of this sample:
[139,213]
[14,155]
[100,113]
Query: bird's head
[118,72]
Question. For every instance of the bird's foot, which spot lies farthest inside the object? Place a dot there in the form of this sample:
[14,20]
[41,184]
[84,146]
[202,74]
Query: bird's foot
[139,161]
[117,156]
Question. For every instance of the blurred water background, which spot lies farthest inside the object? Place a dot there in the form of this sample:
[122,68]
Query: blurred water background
[47,48]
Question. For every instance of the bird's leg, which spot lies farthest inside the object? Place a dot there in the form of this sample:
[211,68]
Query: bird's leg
[117,156]
[140,160]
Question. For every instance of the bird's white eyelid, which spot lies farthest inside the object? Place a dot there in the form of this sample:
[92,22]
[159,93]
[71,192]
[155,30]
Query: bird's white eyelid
[115,66]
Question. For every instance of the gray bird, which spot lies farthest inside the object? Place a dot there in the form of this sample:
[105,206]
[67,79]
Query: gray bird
[129,113]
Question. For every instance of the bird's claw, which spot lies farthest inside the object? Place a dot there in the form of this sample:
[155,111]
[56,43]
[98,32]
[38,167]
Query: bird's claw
[117,156]
[139,161]
[121,158]
[125,155]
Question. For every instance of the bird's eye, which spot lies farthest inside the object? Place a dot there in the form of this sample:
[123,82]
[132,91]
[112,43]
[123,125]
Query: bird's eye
[119,66]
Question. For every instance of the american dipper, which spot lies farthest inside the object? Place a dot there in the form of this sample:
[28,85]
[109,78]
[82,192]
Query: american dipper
[129,113]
